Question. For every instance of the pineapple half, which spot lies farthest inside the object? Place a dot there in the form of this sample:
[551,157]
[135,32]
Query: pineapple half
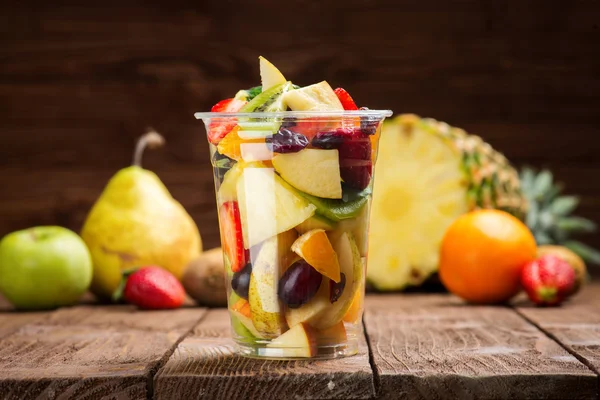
[428,174]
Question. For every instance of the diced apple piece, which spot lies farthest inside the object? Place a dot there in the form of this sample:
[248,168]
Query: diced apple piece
[314,171]
[314,247]
[317,97]
[269,74]
[331,336]
[268,205]
[352,267]
[265,309]
[312,310]
[241,311]
[299,341]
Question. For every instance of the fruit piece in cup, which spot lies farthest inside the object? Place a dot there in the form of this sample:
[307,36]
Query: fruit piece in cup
[270,76]
[241,311]
[236,148]
[314,247]
[231,235]
[355,153]
[299,284]
[268,205]
[324,310]
[265,306]
[299,341]
[220,128]
[350,206]
[316,172]
[315,222]
[333,335]
[352,268]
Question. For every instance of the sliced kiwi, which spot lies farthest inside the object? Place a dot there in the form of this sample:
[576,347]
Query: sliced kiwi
[270,100]
[349,206]
[267,101]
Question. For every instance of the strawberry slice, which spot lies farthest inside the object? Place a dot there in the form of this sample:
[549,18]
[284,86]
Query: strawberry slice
[218,129]
[345,98]
[231,235]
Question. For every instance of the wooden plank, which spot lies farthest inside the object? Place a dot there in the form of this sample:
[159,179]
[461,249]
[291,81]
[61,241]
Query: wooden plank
[576,325]
[205,366]
[90,352]
[434,346]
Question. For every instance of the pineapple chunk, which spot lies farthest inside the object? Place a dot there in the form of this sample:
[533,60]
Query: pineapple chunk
[418,193]
[317,97]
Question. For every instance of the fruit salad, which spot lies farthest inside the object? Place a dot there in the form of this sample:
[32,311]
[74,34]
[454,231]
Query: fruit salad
[293,171]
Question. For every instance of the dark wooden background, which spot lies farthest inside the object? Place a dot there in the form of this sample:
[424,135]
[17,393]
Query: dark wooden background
[78,84]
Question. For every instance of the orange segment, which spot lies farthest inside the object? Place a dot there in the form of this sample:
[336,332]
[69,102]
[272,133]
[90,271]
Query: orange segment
[231,145]
[243,307]
[316,249]
[355,311]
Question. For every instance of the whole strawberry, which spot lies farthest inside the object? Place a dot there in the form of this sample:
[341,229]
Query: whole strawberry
[151,288]
[548,280]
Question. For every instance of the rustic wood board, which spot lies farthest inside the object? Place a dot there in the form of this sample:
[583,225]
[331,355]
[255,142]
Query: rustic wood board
[205,366]
[90,352]
[433,346]
[576,325]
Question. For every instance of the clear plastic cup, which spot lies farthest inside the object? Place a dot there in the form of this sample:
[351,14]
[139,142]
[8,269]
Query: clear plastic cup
[293,194]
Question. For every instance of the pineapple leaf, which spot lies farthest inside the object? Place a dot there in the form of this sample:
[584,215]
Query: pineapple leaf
[564,205]
[554,191]
[575,224]
[543,182]
[542,238]
[532,215]
[546,220]
[584,251]
[527,177]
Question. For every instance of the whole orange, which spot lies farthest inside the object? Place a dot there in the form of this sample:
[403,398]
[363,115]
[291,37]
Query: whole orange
[482,254]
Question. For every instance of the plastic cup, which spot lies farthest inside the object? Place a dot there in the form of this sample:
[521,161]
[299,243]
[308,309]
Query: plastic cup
[293,194]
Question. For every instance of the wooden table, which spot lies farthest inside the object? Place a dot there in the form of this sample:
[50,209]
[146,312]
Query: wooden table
[415,346]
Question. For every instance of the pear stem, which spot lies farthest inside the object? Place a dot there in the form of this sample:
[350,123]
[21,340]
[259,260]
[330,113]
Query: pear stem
[151,139]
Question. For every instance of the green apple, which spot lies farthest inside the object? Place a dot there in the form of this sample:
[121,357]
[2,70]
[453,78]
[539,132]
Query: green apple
[313,171]
[44,267]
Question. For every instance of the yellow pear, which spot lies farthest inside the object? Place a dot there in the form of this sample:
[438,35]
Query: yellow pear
[136,222]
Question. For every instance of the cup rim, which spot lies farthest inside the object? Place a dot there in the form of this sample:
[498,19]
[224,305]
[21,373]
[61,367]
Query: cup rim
[296,114]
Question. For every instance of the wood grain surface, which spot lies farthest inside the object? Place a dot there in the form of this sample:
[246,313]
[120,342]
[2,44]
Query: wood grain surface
[78,84]
[420,347]
[205,366]
[89,352]
[577,326]
[437,347]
